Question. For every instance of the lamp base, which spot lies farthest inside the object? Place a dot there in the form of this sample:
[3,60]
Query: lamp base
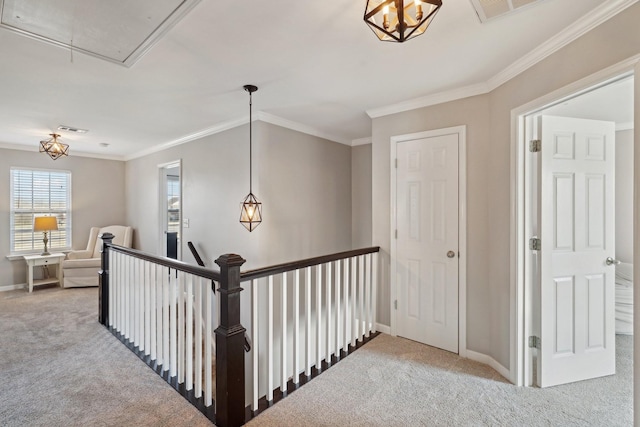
[45,240]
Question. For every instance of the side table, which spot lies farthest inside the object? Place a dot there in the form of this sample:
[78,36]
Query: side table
[40,260]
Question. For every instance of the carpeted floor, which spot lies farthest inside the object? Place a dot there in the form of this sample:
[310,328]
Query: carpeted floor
[61,368]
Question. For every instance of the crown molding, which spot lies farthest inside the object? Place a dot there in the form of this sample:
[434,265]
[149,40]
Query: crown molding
[220,127]
[361,141]
[624,126]
[426,101]
[309,130]
[585,24]
[72,153]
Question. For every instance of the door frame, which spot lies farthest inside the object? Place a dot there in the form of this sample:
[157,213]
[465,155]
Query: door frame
[162,205]
[461,131]
[521,325]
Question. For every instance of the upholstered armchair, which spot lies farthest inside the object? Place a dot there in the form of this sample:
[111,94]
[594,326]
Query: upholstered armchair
[81,268]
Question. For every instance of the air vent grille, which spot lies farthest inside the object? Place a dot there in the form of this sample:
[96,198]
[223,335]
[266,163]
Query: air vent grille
[490,9]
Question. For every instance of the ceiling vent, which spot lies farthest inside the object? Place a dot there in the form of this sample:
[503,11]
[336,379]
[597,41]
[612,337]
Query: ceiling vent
[490,9]
[116,31]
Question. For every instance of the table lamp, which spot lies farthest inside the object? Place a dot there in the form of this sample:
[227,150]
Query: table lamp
[45,224]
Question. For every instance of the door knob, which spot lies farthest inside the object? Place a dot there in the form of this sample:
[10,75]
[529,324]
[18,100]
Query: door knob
[451,254]
[611,261]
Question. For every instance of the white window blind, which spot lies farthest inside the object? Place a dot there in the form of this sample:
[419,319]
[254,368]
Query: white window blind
[35,193]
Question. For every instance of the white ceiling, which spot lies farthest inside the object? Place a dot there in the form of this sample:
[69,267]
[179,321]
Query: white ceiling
[317,65]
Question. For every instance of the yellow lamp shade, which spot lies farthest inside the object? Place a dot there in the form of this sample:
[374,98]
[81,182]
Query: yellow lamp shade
[45,223]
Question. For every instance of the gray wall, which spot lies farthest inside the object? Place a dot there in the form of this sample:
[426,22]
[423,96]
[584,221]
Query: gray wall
[624,196]
[97,199]
[304,183]
[361,196]
[488,120]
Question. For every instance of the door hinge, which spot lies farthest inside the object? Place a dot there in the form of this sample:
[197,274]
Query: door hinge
[534,342]
[395,304]
[396,233]
[396,163]
[535,146]
[535,244]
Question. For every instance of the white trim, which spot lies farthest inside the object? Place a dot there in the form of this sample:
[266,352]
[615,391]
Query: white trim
[309,130]
[383,328]
[462,226]
[624,126]
[519,328]
[7,288]
[220,127]
[489,361]
[230,124]
[162,205]
[72,151]
[572,32]
[361,141]
[583,25]
[428,100]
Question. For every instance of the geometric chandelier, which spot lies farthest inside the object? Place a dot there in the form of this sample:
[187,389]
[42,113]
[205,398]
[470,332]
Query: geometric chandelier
[53,147]
[250,208]
[400,20]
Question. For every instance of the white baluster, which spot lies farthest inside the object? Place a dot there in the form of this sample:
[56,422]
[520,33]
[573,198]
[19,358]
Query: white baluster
[147,309]
[360,298]
[329,336]
[208,388]
[189,334]
[283,334]
[367,295]
[307,315]
[338,311]
[198,339]
[354,324]
[255,339]
[181,280]
[270,340]
[319,317]
[165,319]
[296,328]
[173,325]
[153,299]
[345,306]
[140,308]
[374,291]
[159,311]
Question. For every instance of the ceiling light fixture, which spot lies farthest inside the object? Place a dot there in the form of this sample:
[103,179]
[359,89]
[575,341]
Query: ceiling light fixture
[400,20]
[54,148]
[251,208]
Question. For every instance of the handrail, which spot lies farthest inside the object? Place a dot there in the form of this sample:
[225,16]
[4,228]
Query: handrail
[295,265]
[169,262]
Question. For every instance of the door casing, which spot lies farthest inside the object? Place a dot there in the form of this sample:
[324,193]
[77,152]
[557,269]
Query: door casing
[461,131]
[521,323]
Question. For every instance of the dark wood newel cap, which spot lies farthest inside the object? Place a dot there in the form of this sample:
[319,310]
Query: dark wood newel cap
[230,260]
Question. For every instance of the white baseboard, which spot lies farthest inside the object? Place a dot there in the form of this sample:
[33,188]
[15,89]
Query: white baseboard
[490,361]
[6,288]
[383,328]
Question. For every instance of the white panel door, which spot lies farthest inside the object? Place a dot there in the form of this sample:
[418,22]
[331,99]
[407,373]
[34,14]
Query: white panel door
[427,240]
[577,235]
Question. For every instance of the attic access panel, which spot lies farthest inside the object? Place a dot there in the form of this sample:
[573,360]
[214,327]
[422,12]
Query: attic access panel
[490,9]
[118,31]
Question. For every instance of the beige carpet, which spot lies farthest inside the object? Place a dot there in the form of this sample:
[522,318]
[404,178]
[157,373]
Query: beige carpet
[61,368]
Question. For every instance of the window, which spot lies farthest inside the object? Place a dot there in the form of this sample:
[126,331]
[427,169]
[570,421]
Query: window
[35,193]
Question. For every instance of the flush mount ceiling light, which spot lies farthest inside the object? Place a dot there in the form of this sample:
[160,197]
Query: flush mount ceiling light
[400,20]
[54,148]
[251,208]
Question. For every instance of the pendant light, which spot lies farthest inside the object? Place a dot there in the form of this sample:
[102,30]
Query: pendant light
[54,148]
[251,208]
[400,20]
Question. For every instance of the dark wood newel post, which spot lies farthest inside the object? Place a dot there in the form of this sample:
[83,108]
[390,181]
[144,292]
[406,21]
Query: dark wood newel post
[103,289]
[230,388]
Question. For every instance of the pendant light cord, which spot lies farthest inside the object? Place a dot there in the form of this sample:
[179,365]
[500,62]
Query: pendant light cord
[250,139]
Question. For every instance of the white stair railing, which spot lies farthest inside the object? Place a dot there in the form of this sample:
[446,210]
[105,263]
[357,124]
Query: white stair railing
[305,316]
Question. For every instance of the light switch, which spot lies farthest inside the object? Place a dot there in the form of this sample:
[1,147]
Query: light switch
[185,222]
